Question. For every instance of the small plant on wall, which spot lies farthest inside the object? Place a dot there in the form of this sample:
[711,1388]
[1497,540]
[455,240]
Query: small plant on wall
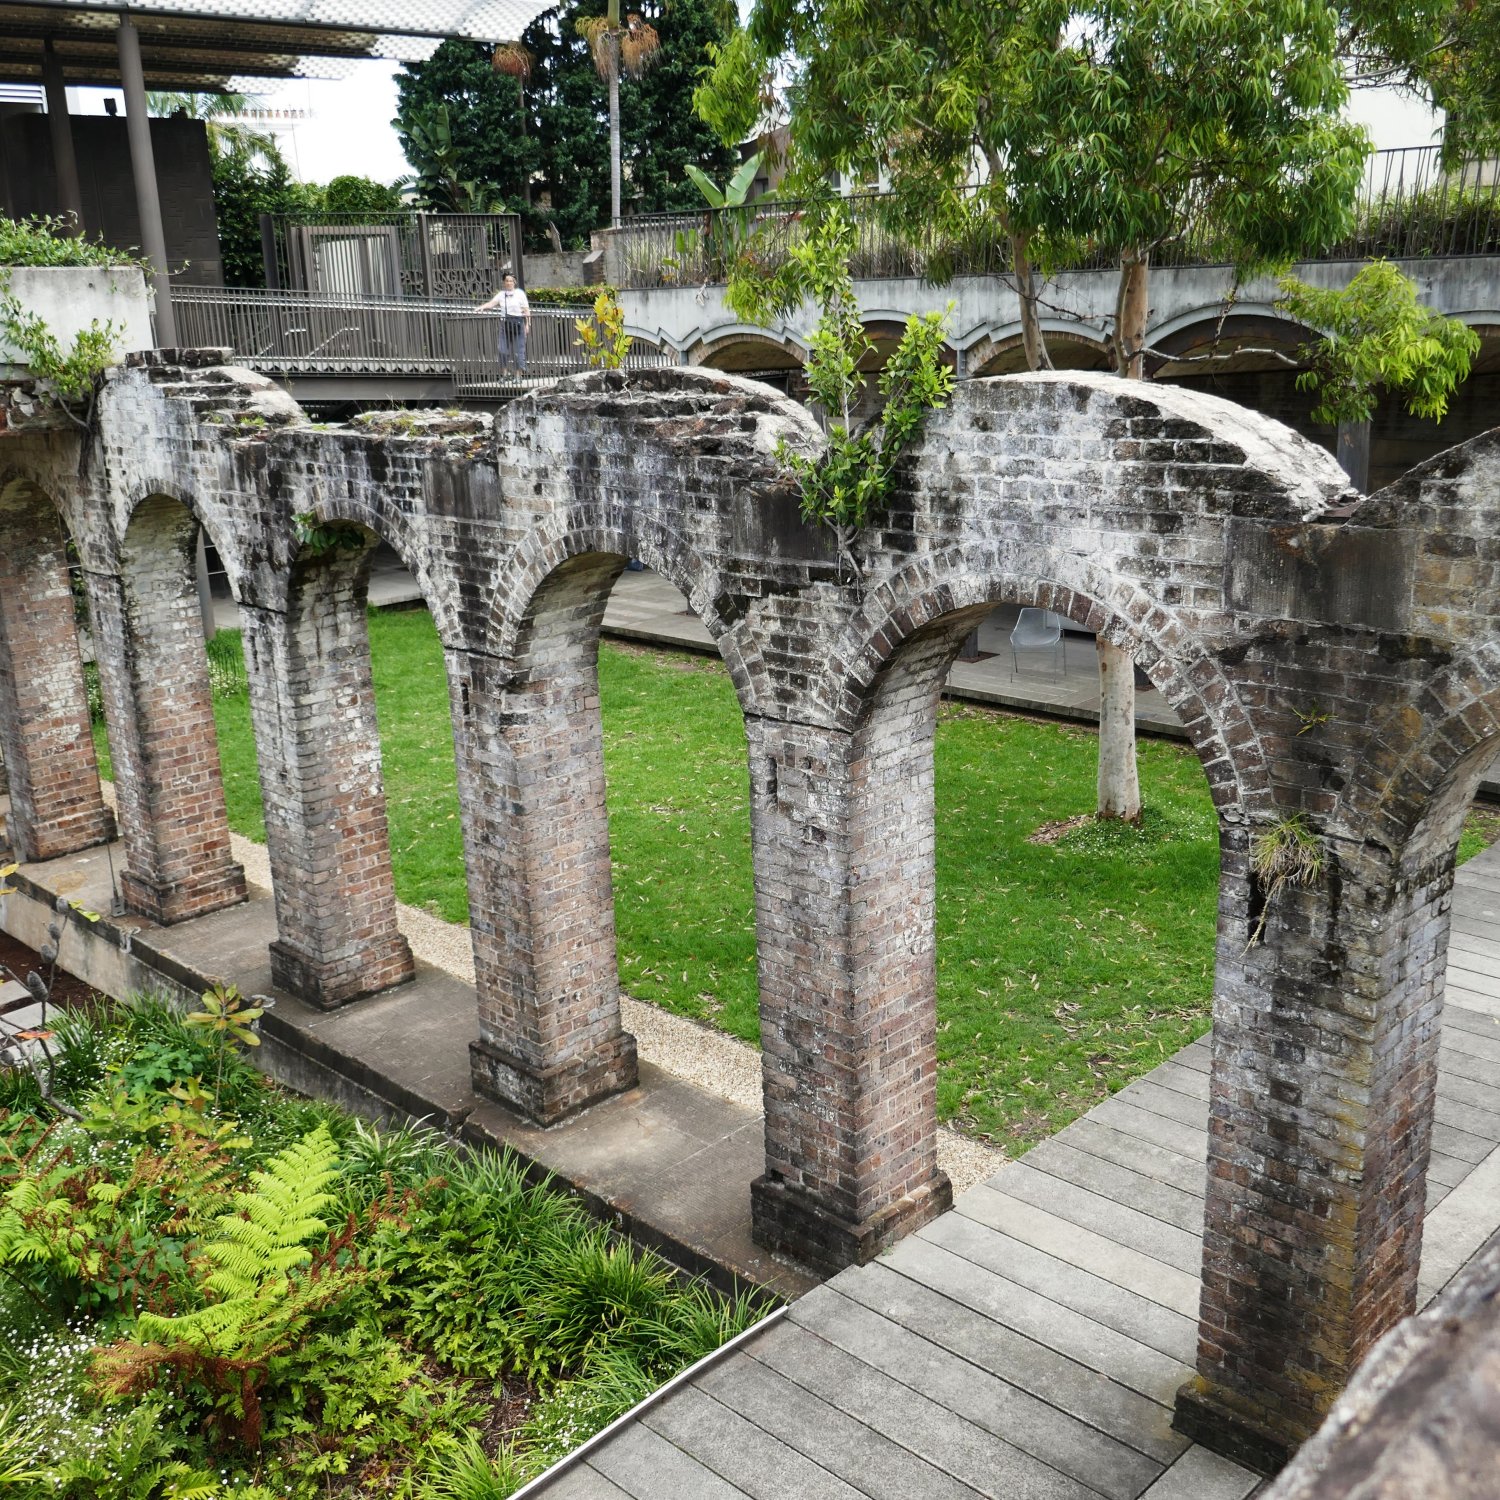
[602,335]
[849,482]
[1286,854]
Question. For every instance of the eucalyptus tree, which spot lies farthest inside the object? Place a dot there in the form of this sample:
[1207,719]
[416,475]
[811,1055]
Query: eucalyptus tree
[1069,132]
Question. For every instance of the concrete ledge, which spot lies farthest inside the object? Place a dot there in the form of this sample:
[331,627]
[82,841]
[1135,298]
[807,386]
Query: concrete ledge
[666,1162]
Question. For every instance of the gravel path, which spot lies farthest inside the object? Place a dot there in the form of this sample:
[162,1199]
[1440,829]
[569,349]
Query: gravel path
[722,1064]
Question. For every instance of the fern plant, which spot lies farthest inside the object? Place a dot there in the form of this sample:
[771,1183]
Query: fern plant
[260,1283]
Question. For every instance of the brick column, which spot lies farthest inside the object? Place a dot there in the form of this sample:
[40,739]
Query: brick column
[843,832]
[1322,1092]
[154,673]
[541,900]
[313,705]
[45,734]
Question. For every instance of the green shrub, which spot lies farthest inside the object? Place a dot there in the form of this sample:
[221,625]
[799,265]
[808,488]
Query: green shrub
[43,241]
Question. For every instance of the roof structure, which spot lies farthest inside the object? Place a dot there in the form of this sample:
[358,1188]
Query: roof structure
[210,45]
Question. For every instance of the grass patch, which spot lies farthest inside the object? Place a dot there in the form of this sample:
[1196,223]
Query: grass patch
[211,1288]
[1064,970]
[1481,829]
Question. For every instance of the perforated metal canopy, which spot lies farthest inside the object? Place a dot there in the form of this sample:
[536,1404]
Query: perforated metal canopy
[209,45]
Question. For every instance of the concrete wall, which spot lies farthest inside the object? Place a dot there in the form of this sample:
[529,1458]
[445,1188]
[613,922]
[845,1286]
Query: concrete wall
[556,268]
[70,298]
[1334,659]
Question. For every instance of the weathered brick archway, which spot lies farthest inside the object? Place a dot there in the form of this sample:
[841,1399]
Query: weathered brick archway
[1296,631]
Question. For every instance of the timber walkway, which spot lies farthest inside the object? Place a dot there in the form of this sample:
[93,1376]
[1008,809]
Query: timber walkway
[1030,1342]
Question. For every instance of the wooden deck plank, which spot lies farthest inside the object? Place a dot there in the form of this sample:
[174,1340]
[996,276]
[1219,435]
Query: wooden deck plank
[647,1467]
[1091,1397]
[1111,1218]
[750,1458]
[1000,1407]
[1060,1159]
[1172,1332]
[987,1464]
[1171,1168]
[884,1469]
[582,1482]
[1136,1366]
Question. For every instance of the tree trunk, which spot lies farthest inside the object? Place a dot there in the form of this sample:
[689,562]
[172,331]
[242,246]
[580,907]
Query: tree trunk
[1119,784]
[614,130]
[1029,290]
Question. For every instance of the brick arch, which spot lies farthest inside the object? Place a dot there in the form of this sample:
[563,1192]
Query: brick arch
[1178,663]
[386,523]
[663,549]
[1426,749]
[217,526]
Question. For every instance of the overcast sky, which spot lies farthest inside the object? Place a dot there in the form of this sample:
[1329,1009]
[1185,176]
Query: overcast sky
[349,129]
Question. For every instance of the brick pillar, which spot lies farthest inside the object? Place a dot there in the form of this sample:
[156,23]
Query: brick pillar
[843,832]
[157,700]
[541,900]
[45,734]
[313,705]
[1322,1092]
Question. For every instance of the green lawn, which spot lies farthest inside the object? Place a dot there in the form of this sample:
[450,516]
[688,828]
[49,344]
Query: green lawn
[1064,969]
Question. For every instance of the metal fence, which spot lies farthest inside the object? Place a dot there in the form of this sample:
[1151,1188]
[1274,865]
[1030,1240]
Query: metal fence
[1409,206]
[391,255]
[308,333]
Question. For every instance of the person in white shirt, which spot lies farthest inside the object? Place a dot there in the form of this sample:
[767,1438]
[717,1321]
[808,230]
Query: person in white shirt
[515,323]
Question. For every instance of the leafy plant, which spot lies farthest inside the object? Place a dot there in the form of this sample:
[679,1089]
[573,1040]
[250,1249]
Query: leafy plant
[70,373]
[1376,334]
[320,538]
[44,241]
[602,335]
[735,191]
[260,1284]
[850,480]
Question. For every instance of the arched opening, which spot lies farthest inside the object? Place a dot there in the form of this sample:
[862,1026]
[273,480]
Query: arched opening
[159,703]
[894,1018]
[599,772]
[47,757]
[771,361]
[1068,350]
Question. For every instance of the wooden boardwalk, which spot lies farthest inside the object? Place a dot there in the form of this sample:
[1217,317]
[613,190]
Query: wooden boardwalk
[1028,1345]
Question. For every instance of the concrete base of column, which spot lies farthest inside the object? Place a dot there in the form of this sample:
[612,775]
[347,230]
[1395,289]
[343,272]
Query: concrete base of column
[179,901]
[553,1094]
[788,1220]
[328,984]
[1221,1426]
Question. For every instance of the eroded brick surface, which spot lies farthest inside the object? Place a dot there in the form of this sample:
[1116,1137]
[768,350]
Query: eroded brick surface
[1333,659]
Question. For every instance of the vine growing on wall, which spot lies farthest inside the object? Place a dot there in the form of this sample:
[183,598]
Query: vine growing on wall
[849,481]
[69,375]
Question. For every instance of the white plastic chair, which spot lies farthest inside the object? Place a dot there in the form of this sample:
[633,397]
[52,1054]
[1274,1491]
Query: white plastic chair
[1039,630]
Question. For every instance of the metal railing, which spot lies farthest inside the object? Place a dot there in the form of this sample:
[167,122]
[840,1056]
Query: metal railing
[1409,206]
[308,333]
[391,255]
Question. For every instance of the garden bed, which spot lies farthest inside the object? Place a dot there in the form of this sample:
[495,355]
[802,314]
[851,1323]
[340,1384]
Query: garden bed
[211,1287]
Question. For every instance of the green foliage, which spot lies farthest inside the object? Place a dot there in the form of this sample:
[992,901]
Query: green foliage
[734,192]
[71,373]
[134,1458]
[568,296]
[540,150]
[1288,853]
[1105,129]
[602,335]
[462,1470]
[848,482]
[1375,334]
[318,538]
[252,178]
[1448,50]
[43,241]
[360,195]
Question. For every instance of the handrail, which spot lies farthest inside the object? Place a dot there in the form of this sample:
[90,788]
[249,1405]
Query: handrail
[1409,206]
[333,333]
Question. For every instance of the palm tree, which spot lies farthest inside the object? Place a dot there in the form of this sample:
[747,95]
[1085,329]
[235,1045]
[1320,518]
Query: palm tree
[630,48]
[213,109]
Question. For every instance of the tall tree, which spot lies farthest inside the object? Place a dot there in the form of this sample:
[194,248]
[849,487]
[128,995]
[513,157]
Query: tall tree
[1068,130]
[543,149]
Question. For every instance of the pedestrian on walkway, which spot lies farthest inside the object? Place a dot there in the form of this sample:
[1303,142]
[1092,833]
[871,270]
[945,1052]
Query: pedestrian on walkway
[515,323]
